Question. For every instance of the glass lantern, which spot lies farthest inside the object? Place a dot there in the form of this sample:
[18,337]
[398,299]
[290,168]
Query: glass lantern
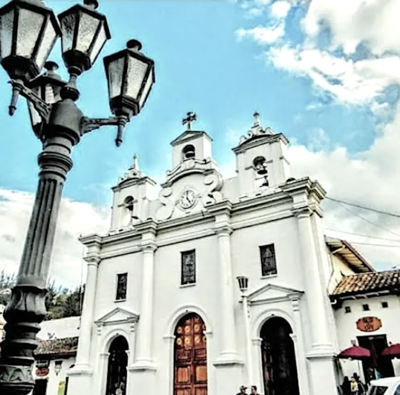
[130,77]
[28,32]
[84,34]
[47,86]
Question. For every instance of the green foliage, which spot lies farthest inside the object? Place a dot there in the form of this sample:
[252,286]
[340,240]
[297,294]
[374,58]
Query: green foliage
[60,301]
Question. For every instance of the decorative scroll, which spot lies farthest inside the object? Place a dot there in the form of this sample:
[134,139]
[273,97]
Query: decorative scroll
[268,260]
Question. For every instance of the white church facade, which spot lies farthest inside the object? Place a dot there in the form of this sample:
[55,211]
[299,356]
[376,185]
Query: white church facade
[213,284]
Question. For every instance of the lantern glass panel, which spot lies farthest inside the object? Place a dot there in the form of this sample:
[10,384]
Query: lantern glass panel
[48,42]
[87,30]
[115,75]
[146,90]
[6,33]
[135,77]
[29,27]
[98,45]
[68,30]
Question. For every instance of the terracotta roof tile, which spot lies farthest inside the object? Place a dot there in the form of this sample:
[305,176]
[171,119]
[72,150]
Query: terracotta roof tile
[67,346]
[368,282]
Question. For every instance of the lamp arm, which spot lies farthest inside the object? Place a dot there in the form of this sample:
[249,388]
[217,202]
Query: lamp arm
[90,124]
[40,105]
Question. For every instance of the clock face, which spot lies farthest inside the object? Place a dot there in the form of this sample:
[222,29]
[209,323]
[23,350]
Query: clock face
[187,199]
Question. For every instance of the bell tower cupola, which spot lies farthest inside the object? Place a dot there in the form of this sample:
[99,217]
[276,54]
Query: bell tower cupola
[132,195]
[191,144]
[261,159]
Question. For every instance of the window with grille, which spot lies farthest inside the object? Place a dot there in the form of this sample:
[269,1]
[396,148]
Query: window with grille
[188,267]
[268,260]
[122,281]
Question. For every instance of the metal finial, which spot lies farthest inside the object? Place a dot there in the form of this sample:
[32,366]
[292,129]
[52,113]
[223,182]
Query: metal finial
[257,121]
[134,44]
[135,162]
[91,3]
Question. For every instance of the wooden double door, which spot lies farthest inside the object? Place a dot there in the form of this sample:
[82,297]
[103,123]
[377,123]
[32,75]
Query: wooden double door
[190,357]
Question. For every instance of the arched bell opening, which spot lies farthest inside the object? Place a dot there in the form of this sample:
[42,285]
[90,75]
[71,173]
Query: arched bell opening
[188,152]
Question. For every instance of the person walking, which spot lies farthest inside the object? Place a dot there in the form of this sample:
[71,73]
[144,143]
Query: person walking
[362,389]
[346,386]
[253,390]
[353,386]
[242,390]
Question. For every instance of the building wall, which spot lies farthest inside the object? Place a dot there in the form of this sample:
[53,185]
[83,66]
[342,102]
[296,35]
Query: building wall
[56,383]
[348,332]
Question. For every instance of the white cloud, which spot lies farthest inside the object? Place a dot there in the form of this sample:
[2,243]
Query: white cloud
[349,82]
[374,22]
[280,9]
[263,34]
[75,219]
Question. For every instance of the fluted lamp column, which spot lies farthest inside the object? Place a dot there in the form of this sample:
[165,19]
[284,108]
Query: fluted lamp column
[28,33]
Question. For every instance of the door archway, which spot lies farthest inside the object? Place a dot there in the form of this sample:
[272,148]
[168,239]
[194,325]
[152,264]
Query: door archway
[278,357]
[117,367]
[190,356]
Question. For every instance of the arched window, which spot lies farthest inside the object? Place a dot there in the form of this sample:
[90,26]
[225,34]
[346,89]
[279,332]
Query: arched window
[188,152]
[117,367]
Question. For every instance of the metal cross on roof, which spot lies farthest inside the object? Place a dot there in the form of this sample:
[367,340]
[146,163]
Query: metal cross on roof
[190,117]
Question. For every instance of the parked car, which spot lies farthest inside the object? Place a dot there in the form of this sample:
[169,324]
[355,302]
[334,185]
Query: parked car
[387,386]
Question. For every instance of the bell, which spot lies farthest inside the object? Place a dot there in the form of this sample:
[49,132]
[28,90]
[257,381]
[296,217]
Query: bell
[262,169]
[190,154]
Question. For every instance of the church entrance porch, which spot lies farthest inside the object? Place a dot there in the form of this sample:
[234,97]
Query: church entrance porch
[117,364]
[278,358]
[190,356]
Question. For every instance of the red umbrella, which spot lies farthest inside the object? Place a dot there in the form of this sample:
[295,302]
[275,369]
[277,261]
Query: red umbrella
[392,351]
[355,352]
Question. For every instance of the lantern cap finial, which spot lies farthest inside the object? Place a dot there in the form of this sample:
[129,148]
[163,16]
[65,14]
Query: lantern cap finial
[91,3]
[51,66]
[134,44]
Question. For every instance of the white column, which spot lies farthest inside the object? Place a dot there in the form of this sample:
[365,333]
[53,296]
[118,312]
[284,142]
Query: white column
[228,353]
[315,293]
[85,333]
[249,359]
[144,358]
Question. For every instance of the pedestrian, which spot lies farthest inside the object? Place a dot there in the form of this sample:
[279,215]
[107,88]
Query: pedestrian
[253,390]
[353,386]
[346,386]
[242,390]
[361,386]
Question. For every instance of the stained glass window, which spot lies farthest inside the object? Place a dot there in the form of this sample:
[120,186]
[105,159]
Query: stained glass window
[188,267]
[268,260]
[122,280]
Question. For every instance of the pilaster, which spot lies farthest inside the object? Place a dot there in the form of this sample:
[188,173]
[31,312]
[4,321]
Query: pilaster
[228,353]
[144,357]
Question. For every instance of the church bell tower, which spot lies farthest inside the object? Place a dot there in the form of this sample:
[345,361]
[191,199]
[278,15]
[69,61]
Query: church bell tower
[132,195]
[261,160]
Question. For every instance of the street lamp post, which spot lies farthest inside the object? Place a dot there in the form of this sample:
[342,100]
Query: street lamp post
[28,33]
[243,283]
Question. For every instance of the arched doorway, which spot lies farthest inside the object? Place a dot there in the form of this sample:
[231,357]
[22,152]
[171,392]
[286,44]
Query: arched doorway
[117,364]
[278,357]
[190,356]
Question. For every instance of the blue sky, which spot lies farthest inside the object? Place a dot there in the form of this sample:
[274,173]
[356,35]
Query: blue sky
[330,87]
[201,67]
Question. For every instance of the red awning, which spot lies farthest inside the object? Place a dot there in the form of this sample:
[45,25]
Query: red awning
[392,351]
[355,352]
